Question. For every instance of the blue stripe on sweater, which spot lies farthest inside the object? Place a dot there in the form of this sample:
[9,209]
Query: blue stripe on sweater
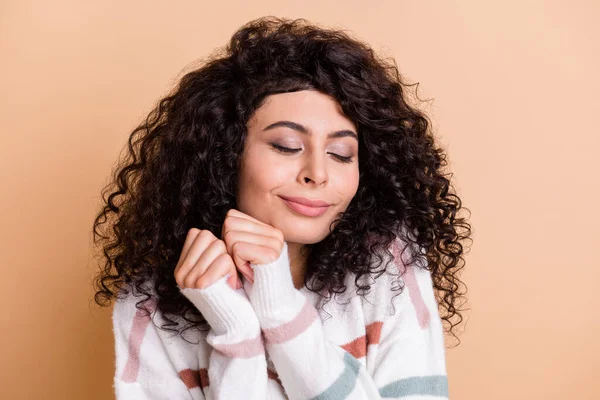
[434,385]
[344,384]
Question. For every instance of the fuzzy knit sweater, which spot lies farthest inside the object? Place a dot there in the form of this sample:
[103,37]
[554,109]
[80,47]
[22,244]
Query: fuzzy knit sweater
[269,340]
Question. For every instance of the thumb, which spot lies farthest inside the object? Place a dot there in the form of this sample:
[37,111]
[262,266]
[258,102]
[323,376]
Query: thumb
[241,264]
[234,281]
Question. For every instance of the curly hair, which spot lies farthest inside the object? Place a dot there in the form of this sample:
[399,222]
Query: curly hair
[181,170]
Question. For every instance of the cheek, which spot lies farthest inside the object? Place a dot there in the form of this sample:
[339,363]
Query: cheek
[349,185]
[262,174]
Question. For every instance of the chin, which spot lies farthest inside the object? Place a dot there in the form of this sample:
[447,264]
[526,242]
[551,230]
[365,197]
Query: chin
[306,234]
[303,239]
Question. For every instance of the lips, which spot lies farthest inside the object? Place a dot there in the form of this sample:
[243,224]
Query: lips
[299,205]
[306,202]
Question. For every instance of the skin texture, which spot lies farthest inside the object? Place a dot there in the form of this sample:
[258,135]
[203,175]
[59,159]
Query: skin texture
[205,258]
[313,172]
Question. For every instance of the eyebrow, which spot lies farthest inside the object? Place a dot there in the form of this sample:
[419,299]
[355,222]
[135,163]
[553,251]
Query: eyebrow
[302,129]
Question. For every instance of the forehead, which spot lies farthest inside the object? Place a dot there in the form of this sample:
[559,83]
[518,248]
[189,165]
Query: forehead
[317,111]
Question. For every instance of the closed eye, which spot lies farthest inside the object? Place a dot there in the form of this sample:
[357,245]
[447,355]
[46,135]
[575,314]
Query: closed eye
[285,149]
[288,150]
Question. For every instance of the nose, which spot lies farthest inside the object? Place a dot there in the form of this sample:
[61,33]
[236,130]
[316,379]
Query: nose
[315,170]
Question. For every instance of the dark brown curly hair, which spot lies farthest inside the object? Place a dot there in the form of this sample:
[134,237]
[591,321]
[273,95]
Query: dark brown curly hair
[181,169]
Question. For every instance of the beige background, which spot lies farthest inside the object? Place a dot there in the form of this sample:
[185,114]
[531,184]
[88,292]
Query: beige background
[515,102]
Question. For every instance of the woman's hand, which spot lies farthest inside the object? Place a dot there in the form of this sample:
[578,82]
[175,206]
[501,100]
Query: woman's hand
[203,261]
[249,240]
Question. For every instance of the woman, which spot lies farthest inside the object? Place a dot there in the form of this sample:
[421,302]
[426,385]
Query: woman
[282,229]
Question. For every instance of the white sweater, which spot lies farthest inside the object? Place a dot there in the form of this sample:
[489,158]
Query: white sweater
[268,341]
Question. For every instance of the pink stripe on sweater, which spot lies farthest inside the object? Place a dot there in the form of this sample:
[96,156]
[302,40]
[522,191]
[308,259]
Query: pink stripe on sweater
[246,349]
[293,328]
[136,336]
[412,286]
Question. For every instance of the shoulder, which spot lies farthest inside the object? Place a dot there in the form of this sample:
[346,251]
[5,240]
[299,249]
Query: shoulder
[131,310]
[132,320]
[129,307]
[145,349]
[400,278]
[134,311]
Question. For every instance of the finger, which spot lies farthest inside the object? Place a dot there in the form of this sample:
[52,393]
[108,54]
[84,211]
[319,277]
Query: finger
[243,267]
[199,245]
[240,229]
[214,250]
[237,213]
[232,212]
[233,236]
[221,266]
[238,281]
[240,215]
[243,224]
[252,253]
[189,239]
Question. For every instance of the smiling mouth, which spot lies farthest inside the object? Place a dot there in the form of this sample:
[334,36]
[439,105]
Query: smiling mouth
[306,210]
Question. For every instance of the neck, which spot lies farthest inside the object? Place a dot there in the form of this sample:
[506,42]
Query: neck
[298,255]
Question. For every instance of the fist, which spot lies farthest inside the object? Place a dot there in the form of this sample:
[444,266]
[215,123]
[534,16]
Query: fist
[249,240]
[203,261]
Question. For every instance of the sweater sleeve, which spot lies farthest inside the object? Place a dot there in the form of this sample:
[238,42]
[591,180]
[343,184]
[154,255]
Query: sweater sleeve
[238,366]
[409,362]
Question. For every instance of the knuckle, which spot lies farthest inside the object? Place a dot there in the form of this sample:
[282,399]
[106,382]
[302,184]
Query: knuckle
[274,255]
[188,282]
[224,258]
[179,281]
[226,224]
[177,275]
[200,283]
[193,232]
[205,232]
[227,235]
[220,245]
[183,266]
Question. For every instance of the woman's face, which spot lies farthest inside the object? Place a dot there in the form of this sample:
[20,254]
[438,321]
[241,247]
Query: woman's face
[313,124]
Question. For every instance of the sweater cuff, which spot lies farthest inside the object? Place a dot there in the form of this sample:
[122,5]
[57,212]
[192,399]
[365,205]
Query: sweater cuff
[227,310]
[273,294]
